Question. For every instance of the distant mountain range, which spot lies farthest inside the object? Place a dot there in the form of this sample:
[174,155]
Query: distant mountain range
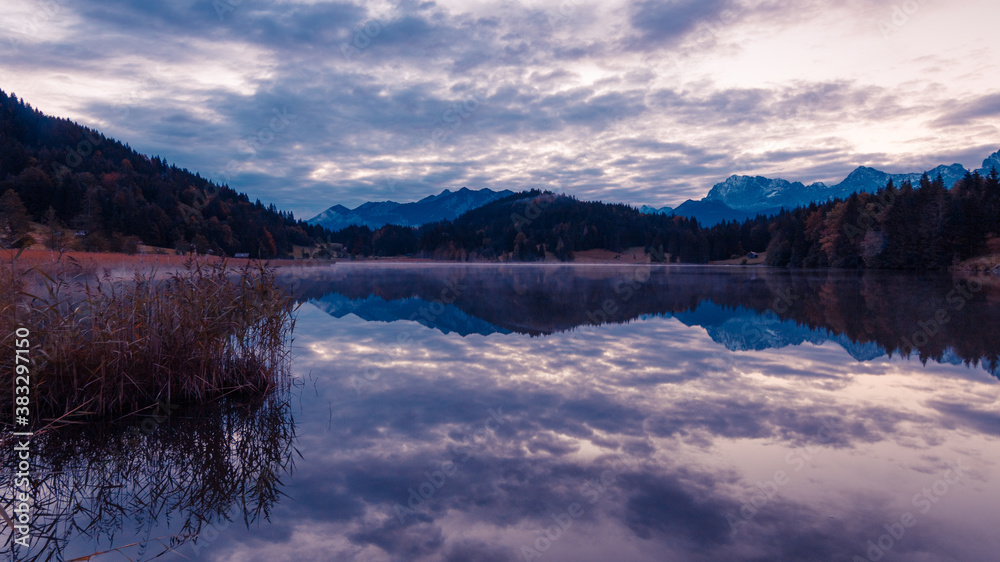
[646,209]
[737,198]
[445,206]
[740,197]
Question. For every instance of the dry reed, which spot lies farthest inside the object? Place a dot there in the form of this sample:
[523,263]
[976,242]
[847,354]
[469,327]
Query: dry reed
[108,347]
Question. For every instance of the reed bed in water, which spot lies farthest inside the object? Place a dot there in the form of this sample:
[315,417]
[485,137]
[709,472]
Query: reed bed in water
[104,346]
[198,470]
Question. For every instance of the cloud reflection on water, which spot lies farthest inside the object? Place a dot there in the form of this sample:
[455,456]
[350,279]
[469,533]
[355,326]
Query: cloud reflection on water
[699,426]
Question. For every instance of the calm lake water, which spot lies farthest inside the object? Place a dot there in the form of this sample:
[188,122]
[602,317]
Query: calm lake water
[518,412]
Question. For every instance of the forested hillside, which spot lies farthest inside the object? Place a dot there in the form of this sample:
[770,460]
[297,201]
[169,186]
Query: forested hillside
[104,196]
[524,226]
[907,227]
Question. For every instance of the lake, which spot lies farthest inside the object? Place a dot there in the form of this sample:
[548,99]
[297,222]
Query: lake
[551,412]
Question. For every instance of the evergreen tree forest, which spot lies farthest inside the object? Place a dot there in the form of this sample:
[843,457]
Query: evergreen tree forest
[108,197]
[528,225]
[925,226]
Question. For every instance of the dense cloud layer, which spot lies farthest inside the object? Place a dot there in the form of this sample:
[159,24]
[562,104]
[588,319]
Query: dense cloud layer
[307,104]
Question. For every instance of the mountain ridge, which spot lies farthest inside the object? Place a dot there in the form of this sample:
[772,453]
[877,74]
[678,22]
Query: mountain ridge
[738,197]
[446,205]
[742,194]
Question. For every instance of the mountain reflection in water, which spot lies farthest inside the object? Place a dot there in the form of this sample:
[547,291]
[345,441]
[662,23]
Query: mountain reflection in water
[871,314]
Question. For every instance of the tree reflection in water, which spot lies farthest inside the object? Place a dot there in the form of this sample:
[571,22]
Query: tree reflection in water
[145,492]
[931,316]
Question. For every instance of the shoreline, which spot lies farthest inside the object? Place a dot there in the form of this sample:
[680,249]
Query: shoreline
[97,261]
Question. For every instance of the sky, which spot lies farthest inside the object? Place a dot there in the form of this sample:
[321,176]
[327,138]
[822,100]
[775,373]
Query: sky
[307,104]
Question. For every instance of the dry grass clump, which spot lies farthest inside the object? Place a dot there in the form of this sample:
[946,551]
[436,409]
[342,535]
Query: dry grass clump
[104,347]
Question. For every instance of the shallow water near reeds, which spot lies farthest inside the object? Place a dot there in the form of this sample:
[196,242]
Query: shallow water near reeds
[548,412]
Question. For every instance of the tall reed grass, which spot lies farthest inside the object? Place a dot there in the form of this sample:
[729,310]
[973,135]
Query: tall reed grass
[105,347]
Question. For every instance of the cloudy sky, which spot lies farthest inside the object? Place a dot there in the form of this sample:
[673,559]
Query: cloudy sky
[307,103]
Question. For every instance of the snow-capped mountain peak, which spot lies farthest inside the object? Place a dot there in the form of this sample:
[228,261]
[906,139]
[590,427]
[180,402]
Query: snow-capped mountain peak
[755,193]
[992,162]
